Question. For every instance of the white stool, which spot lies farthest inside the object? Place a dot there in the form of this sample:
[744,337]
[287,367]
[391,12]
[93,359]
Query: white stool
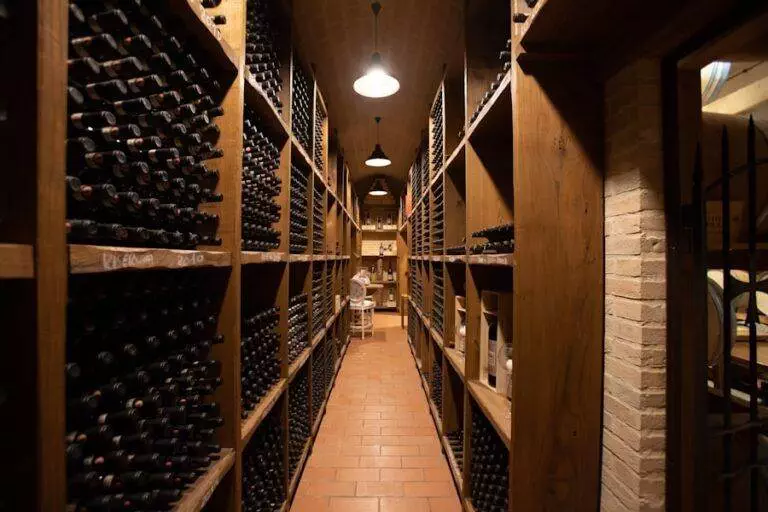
[362,307]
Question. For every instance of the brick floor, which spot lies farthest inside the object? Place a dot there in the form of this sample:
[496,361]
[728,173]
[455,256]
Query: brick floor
[377,449]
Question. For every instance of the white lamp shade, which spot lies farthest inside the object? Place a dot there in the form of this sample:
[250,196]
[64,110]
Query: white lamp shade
[376,83]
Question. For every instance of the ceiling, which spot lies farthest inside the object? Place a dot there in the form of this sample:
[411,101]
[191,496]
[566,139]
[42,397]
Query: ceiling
[416,38]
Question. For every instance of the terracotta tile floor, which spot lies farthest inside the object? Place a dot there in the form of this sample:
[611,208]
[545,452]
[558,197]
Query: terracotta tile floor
[377,449]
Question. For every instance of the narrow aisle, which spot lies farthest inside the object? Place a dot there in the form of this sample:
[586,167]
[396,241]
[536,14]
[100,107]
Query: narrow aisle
[377,449]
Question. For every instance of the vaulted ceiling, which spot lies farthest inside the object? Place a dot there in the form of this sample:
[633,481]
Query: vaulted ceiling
[416,38]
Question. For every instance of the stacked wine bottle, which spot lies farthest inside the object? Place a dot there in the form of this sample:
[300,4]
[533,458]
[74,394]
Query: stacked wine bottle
[436,379]
[217,19]
[319,146]
[438,217]
[318,222]
[456,442]
[489,469]
[263,476]
[328,296]
[505,63]
[141,130]
[299,427]
[413,322]
[140,416]
[319,378]
[261,185]
[438,301]
[458,249]
[259,356]
[436,118]
[501,239]
[298,332]
[318,321]
[261,50]
[299,208]
[302,96]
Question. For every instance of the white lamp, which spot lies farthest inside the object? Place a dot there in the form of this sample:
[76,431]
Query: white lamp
[376,83]
[378,158]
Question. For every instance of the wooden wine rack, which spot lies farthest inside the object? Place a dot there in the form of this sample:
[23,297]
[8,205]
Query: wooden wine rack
[507,166]
[36,262]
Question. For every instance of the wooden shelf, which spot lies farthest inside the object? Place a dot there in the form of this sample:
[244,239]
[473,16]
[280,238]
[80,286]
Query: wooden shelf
[295,366]
[495,113]
[17,261]
[452,464]
[258,101]
[256,258]
[299,257]
[456,359]
[255,417]
[436,336]
[455,258]
[318,337]
[196,498]
[379,255]
[207,33]
[368,229]
[93,259]
[496,260]
[495,407]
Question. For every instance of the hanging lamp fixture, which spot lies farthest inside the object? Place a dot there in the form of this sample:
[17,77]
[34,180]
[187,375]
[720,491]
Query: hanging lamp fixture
[378,158]
[376,83]
[378,189]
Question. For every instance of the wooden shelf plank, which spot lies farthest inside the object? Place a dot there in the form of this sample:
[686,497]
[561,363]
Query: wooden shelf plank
[17,261]
[299,257]
[436,336]
[295,366]
[456,359]
[258,101]
[495,407]
[92,259]
[197,497]
[255,258]
[207,33]
[497,260]
[318,337]
[254,419]
[455,258]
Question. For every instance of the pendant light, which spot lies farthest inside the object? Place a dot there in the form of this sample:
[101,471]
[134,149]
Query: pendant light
[378,189]
[378,158]
[376,83]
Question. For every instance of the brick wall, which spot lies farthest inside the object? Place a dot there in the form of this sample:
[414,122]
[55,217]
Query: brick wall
[635,310]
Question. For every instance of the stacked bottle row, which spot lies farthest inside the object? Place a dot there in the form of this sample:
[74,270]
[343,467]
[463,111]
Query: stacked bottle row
[501,239]
[505,63]
[328,296]
[263,474]
[299,208]
[419,168]
[298,324]
[413,323]
[299,426]
[456,442]
[318,221]
[140,416]
[302,98]
[417,232]
[141,109]
[436,118]
[489,469]
[261,185]
[261,50]
[259,357]
[417,289]
[436,380]
[323,366]
[319,147]
[438,301]
[217,19]
[318,322]
[438,217]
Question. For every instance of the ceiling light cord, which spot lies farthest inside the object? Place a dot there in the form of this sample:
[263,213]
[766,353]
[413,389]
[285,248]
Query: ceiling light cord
[378,119]
[376,8]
